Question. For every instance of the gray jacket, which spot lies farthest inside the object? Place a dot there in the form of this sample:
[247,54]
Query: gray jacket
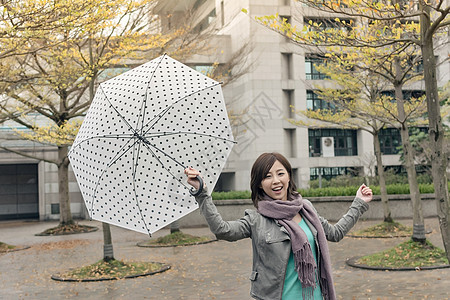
[270,241]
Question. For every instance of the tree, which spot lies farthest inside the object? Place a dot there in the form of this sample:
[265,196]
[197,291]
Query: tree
[57,75]
[399,24]
[429,27]
[356,101]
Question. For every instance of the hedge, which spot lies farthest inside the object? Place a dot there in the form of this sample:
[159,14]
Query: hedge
[393,189]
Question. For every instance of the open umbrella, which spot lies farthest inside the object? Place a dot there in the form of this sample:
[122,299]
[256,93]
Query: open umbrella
[143,128]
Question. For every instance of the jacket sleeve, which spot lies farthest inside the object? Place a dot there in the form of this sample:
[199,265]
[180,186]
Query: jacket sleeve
[336,232]
[224,230]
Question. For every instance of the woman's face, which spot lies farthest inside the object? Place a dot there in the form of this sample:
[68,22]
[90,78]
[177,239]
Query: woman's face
[275,183]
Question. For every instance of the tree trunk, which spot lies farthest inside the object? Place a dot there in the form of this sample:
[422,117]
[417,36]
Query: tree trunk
[418,221]
[436,131]
[380,169]
[108,252]
[63,187]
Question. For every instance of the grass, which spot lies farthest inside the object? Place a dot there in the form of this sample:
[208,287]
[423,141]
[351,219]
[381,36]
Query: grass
[115,269]
[409,254]
[177,238]
[68,229]
[5,247]
[385,229]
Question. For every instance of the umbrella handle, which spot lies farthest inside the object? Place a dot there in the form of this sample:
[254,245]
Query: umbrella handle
[195,192]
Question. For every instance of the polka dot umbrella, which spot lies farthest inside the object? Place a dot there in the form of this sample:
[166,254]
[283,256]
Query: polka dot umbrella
[143,128]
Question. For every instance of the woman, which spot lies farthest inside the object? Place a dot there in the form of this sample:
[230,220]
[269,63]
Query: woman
[289,239]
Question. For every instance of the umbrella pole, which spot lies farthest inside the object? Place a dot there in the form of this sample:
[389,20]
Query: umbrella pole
[108,252]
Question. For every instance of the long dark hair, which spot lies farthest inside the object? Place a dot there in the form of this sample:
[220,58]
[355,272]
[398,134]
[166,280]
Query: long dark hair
[261,167]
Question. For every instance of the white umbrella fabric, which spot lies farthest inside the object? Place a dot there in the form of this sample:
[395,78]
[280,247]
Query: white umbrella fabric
[143,128]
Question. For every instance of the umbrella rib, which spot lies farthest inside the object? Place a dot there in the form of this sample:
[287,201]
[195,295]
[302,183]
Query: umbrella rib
[158,117]
[143,107]
[134,188]
[137,159]
[187,132]
[148,145]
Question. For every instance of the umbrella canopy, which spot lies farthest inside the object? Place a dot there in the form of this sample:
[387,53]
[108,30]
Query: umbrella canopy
[143,128]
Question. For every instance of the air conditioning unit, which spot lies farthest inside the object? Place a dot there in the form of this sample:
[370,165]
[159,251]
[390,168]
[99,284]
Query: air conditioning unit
[328,146]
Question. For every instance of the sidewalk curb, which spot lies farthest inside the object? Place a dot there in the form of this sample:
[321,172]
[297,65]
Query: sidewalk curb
[353,263]
[142,244]
[58,278]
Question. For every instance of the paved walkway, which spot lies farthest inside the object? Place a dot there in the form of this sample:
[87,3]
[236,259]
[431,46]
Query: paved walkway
[217,270]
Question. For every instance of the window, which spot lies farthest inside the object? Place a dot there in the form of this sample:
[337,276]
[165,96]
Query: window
[328,173]
[390,140]
[407,94]
[313,102]
[112,72]
[225,183]
[324,24]
[203,24]
[310,69]
[344,141]
[206,70]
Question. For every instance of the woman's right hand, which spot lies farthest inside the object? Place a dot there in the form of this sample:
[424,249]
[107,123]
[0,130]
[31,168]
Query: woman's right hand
[192,177]
[364,193]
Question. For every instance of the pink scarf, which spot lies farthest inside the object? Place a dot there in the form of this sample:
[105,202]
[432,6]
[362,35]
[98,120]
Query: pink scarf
[305,264]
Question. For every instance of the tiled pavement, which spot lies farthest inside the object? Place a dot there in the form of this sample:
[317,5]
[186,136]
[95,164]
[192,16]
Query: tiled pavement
[217,270]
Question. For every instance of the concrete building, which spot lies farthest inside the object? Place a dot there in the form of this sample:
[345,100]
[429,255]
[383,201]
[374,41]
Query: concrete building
[281,76]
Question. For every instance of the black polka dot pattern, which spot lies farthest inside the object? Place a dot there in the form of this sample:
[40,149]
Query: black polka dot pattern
[143,129]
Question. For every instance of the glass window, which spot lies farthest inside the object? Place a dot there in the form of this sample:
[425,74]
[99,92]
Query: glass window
[310,69]
[204,69]
[328,173]
[313,102]
[344,141]
[203,24]
[390,140]
[343,24]
[407,94]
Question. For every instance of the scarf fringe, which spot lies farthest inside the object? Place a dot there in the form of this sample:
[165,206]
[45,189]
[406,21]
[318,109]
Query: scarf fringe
[325,288]
[305,265]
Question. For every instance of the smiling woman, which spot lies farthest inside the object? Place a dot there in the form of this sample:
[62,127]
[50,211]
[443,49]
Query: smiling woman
[289,239]
[271,171]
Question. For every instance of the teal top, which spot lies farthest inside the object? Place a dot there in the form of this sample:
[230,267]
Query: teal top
[292,286]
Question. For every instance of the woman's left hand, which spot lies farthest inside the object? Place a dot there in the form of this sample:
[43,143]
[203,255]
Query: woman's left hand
[364,193]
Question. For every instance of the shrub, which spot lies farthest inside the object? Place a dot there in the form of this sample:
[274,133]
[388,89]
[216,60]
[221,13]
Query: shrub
[392,189]
[231,195]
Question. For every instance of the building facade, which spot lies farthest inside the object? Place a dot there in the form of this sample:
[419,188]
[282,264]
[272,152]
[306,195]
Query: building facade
[280,76]
[283,76]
